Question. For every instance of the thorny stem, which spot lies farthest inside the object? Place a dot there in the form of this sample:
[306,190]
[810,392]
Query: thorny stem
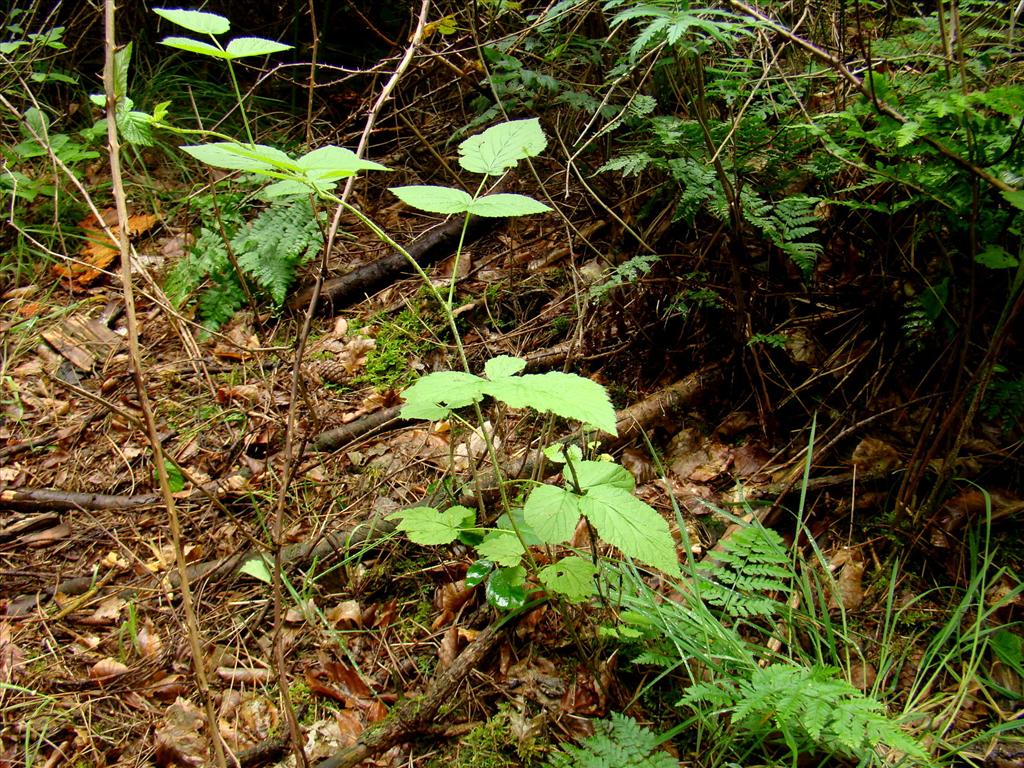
[120,201]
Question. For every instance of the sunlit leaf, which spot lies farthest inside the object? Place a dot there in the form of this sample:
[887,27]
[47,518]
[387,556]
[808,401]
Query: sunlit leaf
[194,46]
[504,204]
[502,146]
[433,199]
[195,21]
[241,47]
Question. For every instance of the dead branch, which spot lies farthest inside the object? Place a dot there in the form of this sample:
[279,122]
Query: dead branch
[414,716]
[429,249]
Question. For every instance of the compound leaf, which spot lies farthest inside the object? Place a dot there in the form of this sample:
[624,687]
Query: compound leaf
[505,204]
[563,394]
[501,547]
[231,155]
[502,366]
[591,474]
[194,46]
[434,395]
[427,526]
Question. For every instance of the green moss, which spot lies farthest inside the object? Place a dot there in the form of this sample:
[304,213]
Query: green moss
[398,340]
[495,744]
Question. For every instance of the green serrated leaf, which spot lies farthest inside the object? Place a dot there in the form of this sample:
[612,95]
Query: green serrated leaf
[563,394]
[122,61]
[478,571]
[194,46]
[502,146]
[995,257]
[241,47]
[572,577]
[257,568]
[195,21]
[433,396]
[557,452]
[504,204]
[635,528]
[501,547]
[505,588]
[502,366]
[1015,198]
[433,199]
[427,526]
[234,156]
[504,521]
[39,122]
[552,513]
[591,474]
[331,163]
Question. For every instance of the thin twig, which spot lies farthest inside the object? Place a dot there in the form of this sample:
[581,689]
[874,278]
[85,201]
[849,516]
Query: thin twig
[290,454]
[121,203]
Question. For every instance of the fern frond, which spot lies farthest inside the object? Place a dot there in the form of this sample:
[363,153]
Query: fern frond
[753,563]
[620,741]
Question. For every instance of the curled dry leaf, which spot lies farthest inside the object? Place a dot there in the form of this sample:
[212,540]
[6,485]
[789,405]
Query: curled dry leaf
[849,580]
[454,640]
[874,455]
[345,615]
[244,675]
[449,600]
[148,640]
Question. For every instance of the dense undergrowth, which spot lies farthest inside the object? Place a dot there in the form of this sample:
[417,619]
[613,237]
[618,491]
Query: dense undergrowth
[823,200]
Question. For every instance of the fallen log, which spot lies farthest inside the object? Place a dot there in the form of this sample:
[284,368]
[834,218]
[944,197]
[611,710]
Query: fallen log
[429,249]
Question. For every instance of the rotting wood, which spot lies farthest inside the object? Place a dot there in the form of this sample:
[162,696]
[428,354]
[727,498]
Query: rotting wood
[415,716]
[430,248]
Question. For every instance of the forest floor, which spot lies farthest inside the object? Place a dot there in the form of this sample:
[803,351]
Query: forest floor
[96,666]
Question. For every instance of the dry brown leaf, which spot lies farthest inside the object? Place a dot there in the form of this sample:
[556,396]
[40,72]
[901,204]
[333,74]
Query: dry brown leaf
[345,615]
[148,640]
[449,600]
[874,455]
[167,688]
[178,740]
[350,726]
[12,658]
[107,669]
[246,719]
[850,579]
[107,612]
[99,253]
